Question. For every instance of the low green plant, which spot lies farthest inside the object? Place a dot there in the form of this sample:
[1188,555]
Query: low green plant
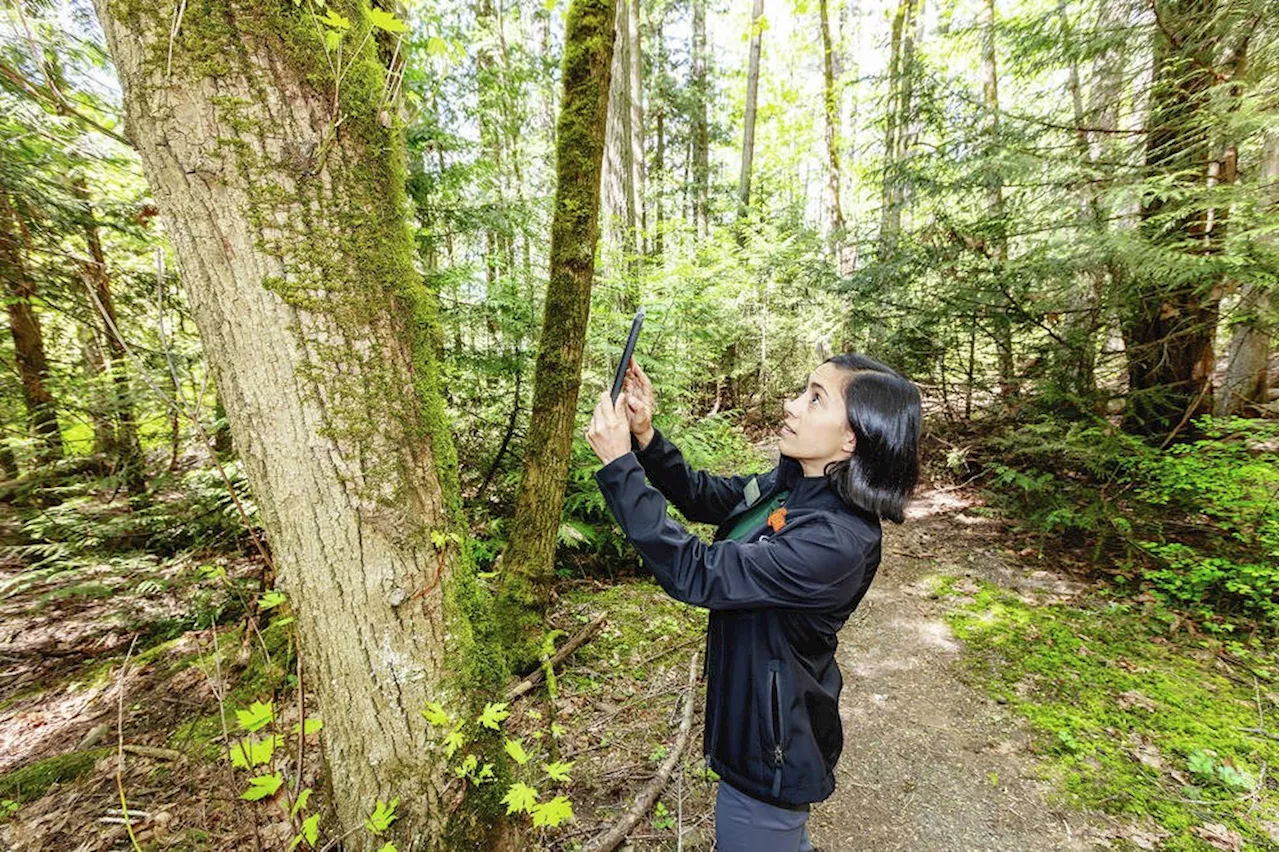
[1132,721]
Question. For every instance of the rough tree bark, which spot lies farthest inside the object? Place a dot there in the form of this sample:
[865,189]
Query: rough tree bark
[527,562]
[1173,314]
[28,340]
[283,193]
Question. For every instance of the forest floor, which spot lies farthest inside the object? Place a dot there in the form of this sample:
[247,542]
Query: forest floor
[933,759]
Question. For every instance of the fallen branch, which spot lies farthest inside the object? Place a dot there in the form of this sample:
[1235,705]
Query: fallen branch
[645,799]
[153,751]
[565,650]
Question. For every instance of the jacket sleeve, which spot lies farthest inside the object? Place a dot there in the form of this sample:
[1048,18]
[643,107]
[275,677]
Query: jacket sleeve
[811,564]
[700,496]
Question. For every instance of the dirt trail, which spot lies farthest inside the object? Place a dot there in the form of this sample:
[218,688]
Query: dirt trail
[929,763]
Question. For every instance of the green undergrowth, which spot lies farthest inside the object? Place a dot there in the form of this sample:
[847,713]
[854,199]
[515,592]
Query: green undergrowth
[269,668]
[641,621]
[1133,720]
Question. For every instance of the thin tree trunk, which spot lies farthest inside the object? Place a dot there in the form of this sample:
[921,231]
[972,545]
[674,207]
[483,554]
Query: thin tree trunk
[831,103]
[749,118]
[290,233]
[701,134]
[635,91]
[897,107]
[28,339]
[527,562]
[1250,350]
[1001,325]
[125,448]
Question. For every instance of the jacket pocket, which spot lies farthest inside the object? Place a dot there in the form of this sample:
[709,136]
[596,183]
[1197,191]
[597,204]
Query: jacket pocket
[778,722]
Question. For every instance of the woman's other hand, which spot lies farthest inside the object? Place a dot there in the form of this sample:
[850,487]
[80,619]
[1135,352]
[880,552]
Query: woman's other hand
[640,402]
[607,433]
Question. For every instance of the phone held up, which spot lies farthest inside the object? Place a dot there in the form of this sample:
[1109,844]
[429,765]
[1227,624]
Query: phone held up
[627,352]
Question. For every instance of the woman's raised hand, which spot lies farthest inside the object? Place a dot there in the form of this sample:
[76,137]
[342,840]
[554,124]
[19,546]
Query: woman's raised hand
[640,401]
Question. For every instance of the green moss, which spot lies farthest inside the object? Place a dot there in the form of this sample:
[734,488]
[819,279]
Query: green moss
[33,781]
[264,675]
[1132,721]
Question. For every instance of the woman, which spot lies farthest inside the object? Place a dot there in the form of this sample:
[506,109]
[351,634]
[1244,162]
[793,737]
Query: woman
[794,552]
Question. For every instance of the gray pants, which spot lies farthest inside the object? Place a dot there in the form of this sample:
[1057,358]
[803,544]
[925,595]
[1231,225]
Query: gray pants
[744,824]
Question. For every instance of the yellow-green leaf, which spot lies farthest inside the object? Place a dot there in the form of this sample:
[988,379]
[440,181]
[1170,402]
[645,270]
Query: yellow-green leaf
[493,715]
[300,802]
[384,20]
[311,828]
[383,815]
[558,771]
[271,599]
[516,749]
[309,726]
[454,741]
[262,786]
[435,714]
[520,797]
[335,21]
[553,812]
[255,717]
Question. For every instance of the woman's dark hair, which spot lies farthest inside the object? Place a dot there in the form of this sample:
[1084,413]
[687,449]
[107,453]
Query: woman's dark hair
[883,409]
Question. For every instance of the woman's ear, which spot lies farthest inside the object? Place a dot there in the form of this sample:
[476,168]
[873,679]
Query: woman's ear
[850,442]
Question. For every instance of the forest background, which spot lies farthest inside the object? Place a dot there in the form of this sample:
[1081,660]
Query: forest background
[298,296]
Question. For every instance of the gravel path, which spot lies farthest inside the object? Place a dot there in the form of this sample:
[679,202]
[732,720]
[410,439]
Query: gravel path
[929,763]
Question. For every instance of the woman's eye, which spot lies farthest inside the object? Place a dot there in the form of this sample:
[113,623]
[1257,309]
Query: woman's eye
[815,396]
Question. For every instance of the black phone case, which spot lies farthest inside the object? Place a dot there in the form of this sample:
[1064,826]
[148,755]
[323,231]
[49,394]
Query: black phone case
[626,355]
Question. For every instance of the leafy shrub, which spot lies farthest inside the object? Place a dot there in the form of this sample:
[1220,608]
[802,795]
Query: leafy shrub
[1199,518]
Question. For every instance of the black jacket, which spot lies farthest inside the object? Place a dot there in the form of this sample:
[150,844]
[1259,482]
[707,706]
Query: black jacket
[777,602]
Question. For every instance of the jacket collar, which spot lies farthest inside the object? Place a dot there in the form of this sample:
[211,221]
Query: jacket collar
[805,490]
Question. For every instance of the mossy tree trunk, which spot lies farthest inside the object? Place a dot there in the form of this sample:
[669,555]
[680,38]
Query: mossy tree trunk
[28,339]
[749,119]
[278,166]
[575,229]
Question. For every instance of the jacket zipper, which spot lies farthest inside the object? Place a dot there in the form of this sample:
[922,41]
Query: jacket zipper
[777,727]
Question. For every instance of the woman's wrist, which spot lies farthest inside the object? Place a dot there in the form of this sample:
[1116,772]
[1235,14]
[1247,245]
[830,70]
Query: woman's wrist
[644,438]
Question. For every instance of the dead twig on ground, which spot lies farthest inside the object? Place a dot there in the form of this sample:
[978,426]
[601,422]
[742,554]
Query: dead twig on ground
[644,800]
[124,806]
[565,650]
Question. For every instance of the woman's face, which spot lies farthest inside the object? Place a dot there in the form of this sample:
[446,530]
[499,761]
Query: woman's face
[817,429]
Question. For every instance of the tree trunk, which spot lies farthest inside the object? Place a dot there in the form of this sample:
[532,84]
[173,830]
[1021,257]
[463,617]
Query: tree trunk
[28,340]
[528,561]
[1169,330]
[622,170]
[749,119]
[898,109]
[124,446]
[1002,328]
[831,103]
[284,196]
[1244,388]
[1086,317]
[701,141]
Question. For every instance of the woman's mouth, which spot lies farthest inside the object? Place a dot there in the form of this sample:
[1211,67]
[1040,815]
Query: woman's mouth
[787,430]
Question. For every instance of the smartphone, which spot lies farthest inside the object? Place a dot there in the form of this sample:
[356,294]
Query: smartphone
[626,355]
